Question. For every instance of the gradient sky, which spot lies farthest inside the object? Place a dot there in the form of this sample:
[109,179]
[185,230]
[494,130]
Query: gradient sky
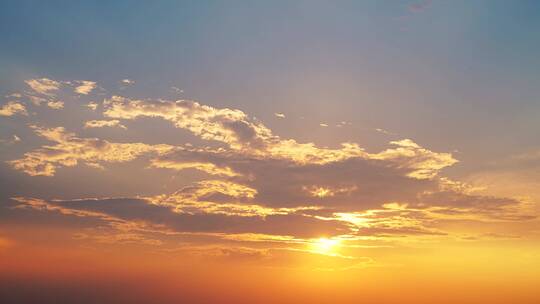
[337,146]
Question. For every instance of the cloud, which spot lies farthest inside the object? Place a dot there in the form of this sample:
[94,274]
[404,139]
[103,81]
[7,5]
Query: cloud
[49,100]
[229,126]
[218,197]
[103,123]
[14,95]
[322,191]
[84,87]
[49,88]
[280,169]
[207,167]
[229,210]
[367,179]
[323,125]
[43,85]
[145,217]
[55,105]
[36,100]
[248,136]
[69,150]
[343,124]
[383,131]
[127,81]
[423,162]
[255,182]
[11,108]
[279,115]
[349,184]
[92,105]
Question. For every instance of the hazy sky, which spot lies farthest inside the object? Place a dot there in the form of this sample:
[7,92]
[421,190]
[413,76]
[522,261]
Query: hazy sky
[358,137]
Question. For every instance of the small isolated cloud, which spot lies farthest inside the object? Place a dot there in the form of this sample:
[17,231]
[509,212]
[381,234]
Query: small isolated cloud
[279,115]
[323,125]
[104,123]
[383,131]
[128,81]
[55,105]
[12,108]
[43,85]
[92,105]
[84,87]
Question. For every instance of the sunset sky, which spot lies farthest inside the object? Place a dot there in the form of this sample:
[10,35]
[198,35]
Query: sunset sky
[270,151]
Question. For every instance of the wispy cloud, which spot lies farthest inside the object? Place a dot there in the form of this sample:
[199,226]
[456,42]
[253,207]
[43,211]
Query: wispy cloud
[103,123]
[383,131]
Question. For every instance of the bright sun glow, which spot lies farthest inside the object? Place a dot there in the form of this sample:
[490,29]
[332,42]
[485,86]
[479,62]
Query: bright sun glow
[325,245]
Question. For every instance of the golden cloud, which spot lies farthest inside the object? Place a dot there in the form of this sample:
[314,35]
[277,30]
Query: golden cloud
[69,150]
[55,105]
[84,87]
[43,85]
[11,108]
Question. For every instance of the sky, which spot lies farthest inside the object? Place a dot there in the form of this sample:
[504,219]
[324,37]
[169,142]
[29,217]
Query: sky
[269,151]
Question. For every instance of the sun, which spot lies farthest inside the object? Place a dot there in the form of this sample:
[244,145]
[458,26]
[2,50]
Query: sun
[325,245]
